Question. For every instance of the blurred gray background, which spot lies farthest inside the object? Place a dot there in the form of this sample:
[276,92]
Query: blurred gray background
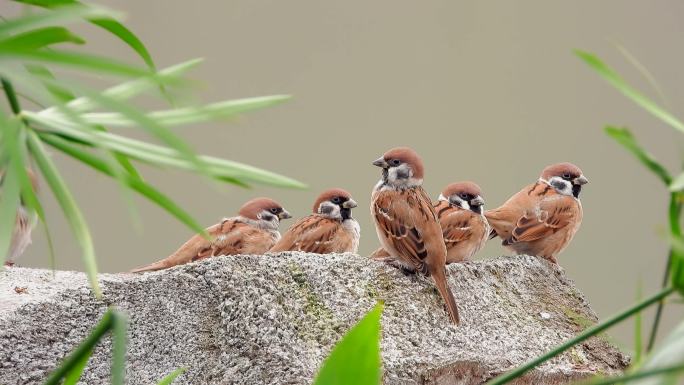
[484,91]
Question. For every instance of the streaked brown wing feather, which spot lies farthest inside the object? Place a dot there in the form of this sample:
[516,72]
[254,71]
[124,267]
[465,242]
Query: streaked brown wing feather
[313,234]
[456,225]
[552,215]
[404,217]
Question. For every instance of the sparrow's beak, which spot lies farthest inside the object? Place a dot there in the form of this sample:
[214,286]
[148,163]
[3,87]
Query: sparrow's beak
[380,162]
[284,215]
[477,201]
[580,180]
[350,204]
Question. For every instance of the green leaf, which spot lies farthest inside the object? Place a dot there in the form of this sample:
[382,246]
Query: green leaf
[107,23]
[171,376]
[625,138]
[162,156]
[39,38]
[88,62]
[188,115]
[129,89]
[69,207]
[136,184]
[356,358]
[119,343]
[670,352]
[63,15]
[60,93]
[84,349]
[10,188]
[678,183]
[616,81]
[74,375]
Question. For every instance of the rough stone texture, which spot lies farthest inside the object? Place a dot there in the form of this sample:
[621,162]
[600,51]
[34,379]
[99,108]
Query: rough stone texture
[272,319]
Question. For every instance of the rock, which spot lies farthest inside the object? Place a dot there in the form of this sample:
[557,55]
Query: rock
[273,319]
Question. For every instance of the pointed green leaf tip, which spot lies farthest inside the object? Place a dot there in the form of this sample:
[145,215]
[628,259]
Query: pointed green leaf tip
[616,81]
[356,358]
[625,138]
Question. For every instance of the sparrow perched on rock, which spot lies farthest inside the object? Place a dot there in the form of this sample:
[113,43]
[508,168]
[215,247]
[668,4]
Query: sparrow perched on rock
[464,228]
[253,231]
[406,222]
[23,226]
[543,217]
[330,229]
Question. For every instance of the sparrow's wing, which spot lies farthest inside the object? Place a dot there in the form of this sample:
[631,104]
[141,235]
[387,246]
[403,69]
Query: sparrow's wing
[457,226]
[313,234]
[503,220]
[407,220]
[551,215]
[240,238]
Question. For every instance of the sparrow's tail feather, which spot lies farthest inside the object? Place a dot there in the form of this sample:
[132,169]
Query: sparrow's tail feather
[185,254]
[380,254]
[443,287]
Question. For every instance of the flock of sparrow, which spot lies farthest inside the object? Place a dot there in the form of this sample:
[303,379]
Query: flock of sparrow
[415,234]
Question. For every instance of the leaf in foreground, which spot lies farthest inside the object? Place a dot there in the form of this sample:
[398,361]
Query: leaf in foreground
[356,358]
[625,138]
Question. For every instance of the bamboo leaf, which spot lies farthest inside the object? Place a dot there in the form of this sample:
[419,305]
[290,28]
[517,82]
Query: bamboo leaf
[670,352]
[119,343]
[63,15]
[129,89]
[76,357]
[625,138]
[136,184]
[356,358]
[162,156]
[188,115]
[171,376]
[92,63]
[39,38]
[69,207]
[678,183]
[107,23]
[74,375]
[616,81]
[10,187]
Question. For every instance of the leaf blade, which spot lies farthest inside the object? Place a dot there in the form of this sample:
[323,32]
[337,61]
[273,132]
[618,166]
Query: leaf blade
[617,82]
[356,358]
[625,138]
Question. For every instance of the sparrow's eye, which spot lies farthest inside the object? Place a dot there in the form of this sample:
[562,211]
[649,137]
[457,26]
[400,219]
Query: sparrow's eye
[567,176]
[274,210]
[336,200]
[463,196]
[395,162]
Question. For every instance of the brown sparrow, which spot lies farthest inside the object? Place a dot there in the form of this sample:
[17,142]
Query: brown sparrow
[543,217]
[253,231]
[330,229]
[23,226]
[464,226]
[406,222]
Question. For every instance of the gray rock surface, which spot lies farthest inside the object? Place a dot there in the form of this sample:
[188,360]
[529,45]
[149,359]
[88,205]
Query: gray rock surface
[273,319]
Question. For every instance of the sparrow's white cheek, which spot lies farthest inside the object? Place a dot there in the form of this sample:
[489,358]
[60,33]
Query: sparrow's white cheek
[330,210]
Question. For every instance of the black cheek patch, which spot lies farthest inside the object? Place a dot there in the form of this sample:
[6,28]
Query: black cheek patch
[267,217]
[326,209]
[403,174]
[558,185]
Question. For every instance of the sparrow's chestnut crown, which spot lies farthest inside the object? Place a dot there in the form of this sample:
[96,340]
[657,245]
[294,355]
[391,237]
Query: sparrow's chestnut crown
[252,208]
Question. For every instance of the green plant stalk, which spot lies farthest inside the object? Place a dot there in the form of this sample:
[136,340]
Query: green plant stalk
[105,325]
[674,212]
[590,332]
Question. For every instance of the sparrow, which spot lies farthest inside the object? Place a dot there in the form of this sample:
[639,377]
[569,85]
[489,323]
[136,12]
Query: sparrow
[253,231]
[543,217]
[330,229]
[23,226]
[464,228]
[407,224]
